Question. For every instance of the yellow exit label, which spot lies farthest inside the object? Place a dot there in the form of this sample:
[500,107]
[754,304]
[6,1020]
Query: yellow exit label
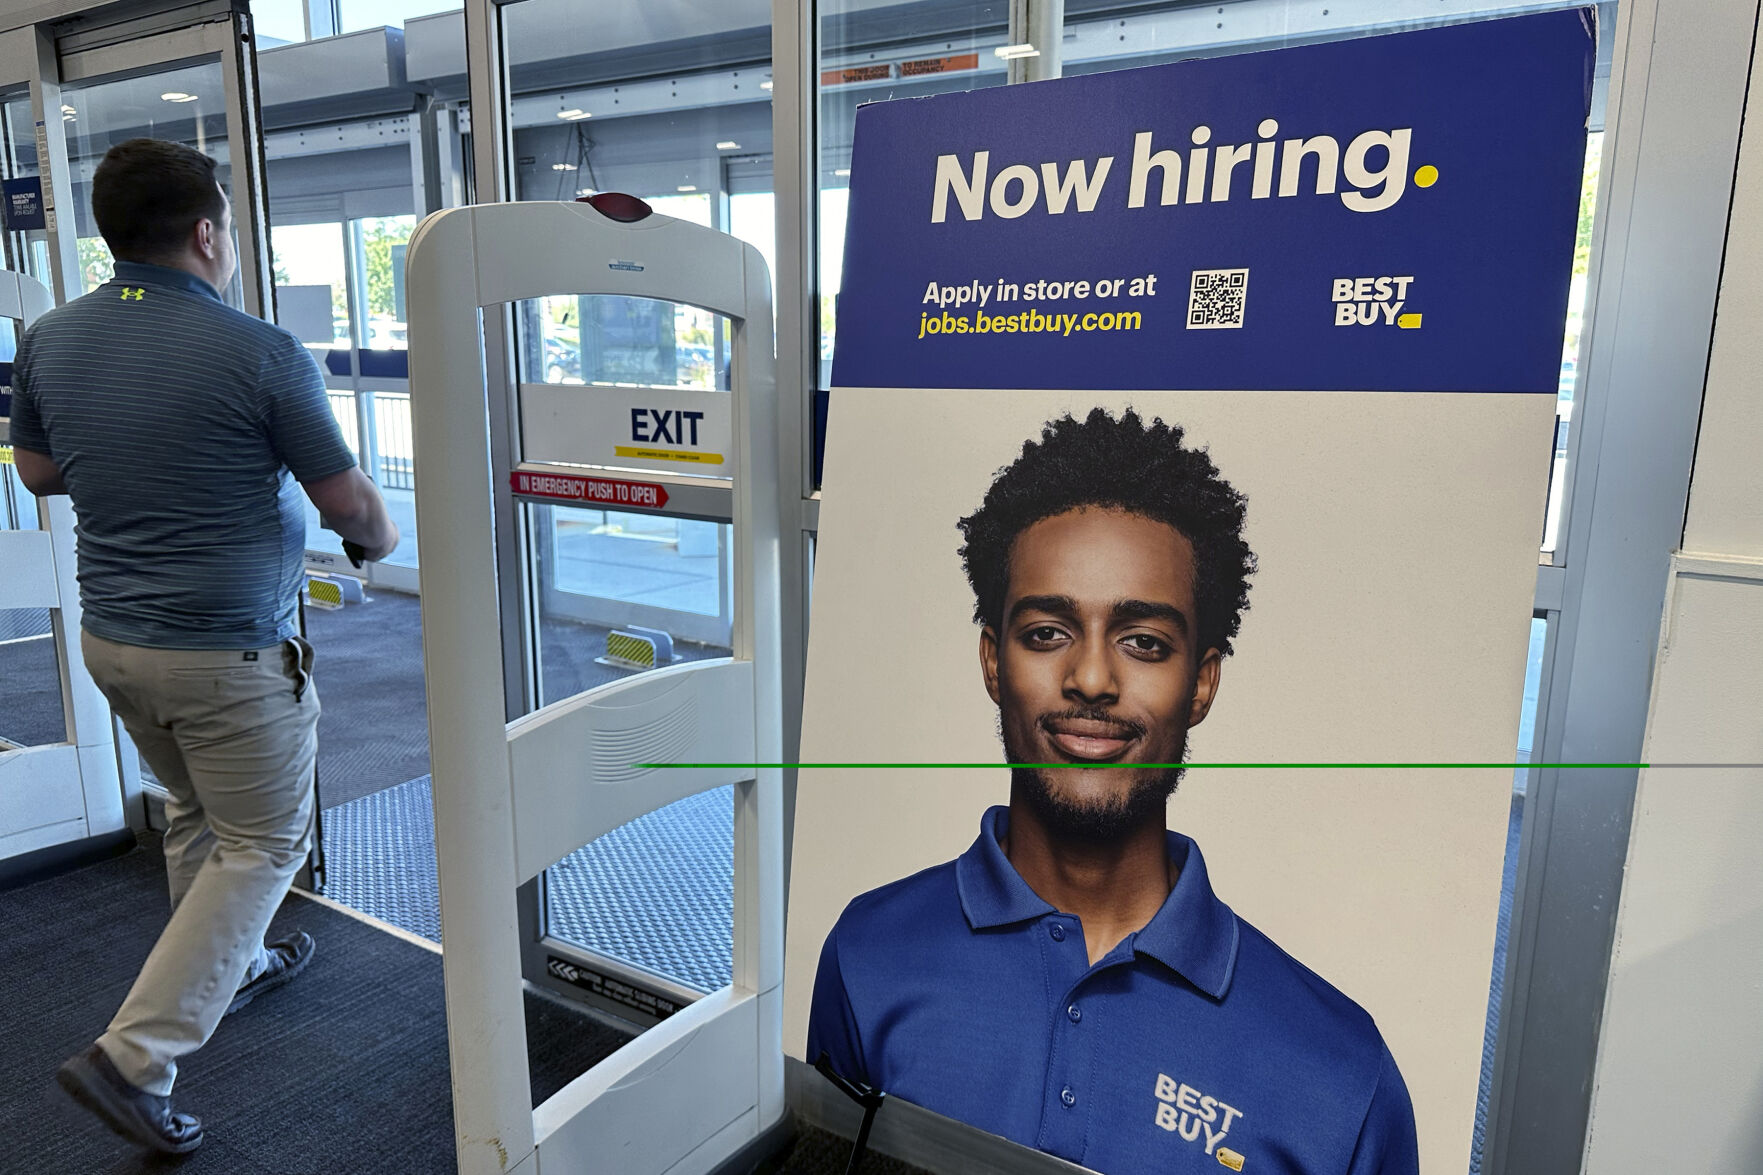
[686,455]
[5,454]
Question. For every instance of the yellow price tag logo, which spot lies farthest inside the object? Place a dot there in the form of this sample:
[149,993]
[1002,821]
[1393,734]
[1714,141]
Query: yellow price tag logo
[1230,1158]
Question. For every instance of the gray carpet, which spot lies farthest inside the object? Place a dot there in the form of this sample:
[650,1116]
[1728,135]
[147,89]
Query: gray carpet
[344,1070]
[817,1152]
[373,732]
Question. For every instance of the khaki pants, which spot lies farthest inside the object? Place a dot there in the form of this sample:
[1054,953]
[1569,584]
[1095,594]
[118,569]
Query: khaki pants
[232,734]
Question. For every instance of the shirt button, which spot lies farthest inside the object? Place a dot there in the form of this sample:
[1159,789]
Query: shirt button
[1058,932]
[1074,1013]
[1066,1096]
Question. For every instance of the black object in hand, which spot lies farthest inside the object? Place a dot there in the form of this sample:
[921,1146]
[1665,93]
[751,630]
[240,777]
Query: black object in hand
[356,552]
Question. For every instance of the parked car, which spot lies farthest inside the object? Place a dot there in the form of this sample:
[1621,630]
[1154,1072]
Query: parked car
[563,362]
[385,334]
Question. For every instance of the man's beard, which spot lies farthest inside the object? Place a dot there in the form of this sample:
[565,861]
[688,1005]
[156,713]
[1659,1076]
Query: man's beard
[1101,820]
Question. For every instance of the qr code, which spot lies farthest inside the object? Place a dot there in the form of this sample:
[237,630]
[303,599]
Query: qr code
[1216,299]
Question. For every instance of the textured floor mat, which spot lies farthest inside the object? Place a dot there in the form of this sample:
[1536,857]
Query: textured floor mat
[656,893]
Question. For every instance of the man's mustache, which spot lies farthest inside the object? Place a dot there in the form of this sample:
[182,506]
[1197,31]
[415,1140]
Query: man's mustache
[1123,728]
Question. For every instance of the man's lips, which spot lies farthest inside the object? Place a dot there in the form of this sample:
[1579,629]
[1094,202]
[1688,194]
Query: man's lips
[1089,740]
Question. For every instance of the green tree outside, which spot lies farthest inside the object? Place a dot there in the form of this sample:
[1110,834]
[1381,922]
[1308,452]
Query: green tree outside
[96,264]
[378,236]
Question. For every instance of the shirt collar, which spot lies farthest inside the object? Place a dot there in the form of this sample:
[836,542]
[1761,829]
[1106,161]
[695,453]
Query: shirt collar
[142,274]
[1193,933]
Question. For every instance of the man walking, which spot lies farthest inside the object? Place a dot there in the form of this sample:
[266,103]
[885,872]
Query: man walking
[180,427]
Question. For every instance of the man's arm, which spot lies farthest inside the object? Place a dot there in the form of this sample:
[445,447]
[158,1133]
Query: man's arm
[39,473]
[307,439]
[350,504]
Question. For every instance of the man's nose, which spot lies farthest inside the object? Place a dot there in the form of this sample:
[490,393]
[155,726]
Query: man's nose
[1090,673]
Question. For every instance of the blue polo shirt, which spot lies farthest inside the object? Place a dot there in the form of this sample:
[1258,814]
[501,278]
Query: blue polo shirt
[180,426]
[1195,1043]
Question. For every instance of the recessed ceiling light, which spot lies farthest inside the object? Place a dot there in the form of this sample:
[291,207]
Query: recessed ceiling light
[728,145]
[573,115]
[585,191]
[177,96]
[841,171]
[1012,52]
[688,187]
[563,167]
[766,84]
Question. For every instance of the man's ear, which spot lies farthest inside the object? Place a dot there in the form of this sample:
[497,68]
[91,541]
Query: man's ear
[988,660]
[207,234]
[1205,686]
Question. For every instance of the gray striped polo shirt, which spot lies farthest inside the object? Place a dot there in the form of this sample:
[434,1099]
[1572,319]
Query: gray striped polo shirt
[181,427]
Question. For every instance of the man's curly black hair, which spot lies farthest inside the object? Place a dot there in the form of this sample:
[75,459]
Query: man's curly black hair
[1120,464]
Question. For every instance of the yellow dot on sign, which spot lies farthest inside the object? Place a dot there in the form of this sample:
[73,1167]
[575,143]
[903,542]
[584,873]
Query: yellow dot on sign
[1426,177]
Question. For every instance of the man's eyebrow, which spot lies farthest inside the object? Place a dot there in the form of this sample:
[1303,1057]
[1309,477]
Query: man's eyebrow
[1122,610]
[1057,605]
[1146,610]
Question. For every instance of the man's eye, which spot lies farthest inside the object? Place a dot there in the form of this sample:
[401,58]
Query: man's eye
[1043,635]
[1146,645]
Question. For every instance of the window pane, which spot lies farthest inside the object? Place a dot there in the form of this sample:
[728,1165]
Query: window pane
[278,22]
[1570,350]
[185,105]
[606,571]
[669,104]
[871,53]
[355,15]
[609,339]
[311,289]
[380,242]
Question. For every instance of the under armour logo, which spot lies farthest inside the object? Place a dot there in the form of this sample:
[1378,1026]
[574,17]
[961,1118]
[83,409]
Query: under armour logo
[136,293]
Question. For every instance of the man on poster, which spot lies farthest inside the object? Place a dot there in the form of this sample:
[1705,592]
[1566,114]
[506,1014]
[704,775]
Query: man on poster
[1071,982]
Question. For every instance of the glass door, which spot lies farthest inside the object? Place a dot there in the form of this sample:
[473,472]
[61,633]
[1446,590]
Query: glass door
[192,85]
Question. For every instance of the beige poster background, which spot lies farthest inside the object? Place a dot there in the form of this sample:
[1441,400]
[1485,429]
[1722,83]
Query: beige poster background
[1389,621]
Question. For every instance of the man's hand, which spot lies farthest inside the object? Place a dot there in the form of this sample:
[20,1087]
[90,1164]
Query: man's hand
[350,504]
[39,473]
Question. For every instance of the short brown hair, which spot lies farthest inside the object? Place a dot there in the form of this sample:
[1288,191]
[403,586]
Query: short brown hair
[147,195]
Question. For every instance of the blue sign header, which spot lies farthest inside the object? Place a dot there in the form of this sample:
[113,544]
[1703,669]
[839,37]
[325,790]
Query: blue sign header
[1388,213]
